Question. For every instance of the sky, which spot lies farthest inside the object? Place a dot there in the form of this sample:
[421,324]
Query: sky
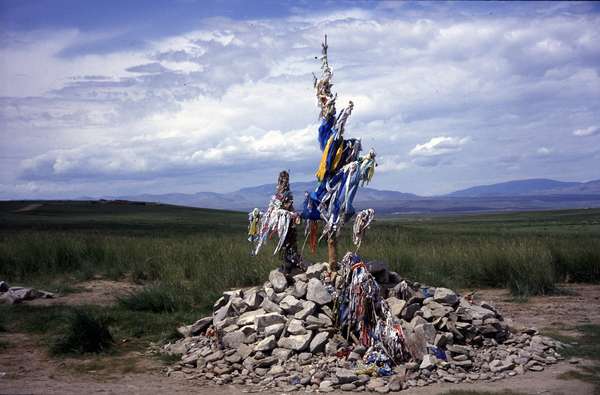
[117,98]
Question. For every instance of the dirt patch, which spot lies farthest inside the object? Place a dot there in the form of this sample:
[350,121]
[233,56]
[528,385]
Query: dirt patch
[580,304]
[93,292]
[25,368]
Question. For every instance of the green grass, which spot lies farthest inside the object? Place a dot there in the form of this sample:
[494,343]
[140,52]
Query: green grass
[84,332]
[198,253]
[59,327]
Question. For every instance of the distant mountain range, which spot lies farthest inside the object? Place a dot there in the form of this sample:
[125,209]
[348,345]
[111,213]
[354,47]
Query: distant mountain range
[536,186]
[532,194]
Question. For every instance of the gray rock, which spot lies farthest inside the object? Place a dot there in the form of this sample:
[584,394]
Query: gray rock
[283,354]
[445,296]
[321,321]
[348,387]
[278,280]
[317,292]
[216,356]
[326,386]
[234,339]
[295,327]
[308,308]
[274,330]
[222,313]
[469,312]
[316,270]
[376,383]
[295,342]
[200,326]
[263,320]
[300,289]
[345,375]
[271,307]
[410,310]
[396,305]
[317,344]
[234,358]
[428,331]
[291,305]
[248,317]
[428,362]
[267,344]
[253,298]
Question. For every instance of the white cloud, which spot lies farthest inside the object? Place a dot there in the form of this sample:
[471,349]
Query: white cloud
[544,151]
[589,131]
[238,94]
[439,146]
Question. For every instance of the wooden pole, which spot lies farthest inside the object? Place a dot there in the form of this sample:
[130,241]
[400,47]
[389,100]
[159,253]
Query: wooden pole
[332,252]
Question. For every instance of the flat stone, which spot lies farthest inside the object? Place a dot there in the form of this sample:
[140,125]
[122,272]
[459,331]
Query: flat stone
[248,317]
[321,321]
[201,325]
[299,290]
[396,305]
[274,330]
[318,343]
[267,344]
[234,339]
[326,386]
[345,375]
[271,307]
[317,292]
[263,320]
[376,383]
[308,308]
[316,270]
[296,327]
[291,305]
[409,312]
[253,298]
[445,296]
[295,342]
[428,362]
[222,313]
[216,356]
[348,387]
[283,354]
[278,280]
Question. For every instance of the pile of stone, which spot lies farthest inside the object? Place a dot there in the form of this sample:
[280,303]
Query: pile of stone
[282,335]
[14,295]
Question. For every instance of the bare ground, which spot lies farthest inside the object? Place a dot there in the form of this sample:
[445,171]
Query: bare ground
[25,367]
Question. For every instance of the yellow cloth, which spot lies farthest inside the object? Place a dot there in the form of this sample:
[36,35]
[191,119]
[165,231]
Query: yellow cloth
[323,164]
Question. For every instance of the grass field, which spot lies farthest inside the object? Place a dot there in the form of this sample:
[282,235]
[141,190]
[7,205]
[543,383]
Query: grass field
[197,253]
[185,257]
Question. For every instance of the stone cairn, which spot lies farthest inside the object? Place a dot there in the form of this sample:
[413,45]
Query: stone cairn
[284,336]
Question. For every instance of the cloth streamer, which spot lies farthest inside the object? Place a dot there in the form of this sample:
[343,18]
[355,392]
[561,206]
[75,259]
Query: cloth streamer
[341,168]
[361,223]
[363,313]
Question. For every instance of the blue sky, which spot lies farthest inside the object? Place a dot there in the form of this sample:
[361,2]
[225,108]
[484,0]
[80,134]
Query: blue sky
[115,98]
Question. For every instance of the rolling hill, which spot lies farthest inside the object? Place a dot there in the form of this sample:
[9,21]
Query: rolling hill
[519,195]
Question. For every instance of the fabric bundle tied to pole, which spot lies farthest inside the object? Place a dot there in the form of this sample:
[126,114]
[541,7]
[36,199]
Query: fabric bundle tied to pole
[363,314]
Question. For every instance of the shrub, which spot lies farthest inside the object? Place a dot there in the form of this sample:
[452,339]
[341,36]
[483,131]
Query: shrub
[84,332]
[155,299]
